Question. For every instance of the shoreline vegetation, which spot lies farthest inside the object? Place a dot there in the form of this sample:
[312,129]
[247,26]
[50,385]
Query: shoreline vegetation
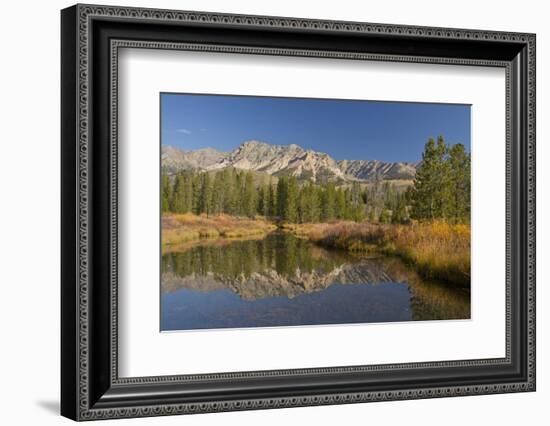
[181,228]
[426,225]
[437,250]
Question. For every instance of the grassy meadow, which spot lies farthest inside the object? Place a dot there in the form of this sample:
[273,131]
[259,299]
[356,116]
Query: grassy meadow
[181,228]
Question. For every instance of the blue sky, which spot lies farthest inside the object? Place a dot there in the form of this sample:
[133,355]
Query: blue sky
[366,130]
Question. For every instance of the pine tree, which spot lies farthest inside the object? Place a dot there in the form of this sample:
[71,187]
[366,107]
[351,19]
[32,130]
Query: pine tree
[424,183]
[264,199]
[230,191]
[291,209]
[206,194]
[302,205]
[249,196]
[178,195]
[239,193]
[441,188]
[261,199]
[272,201]
[328,202]
[166,190]
[308,204]
[339,204]
[287,198]
[197,194]
[218,194]
[356,208]
[459,184]
[442,192]
[188,193]
[313,204]
[282,189]
[400,214]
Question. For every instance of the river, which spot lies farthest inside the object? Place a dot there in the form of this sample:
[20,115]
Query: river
[281,280]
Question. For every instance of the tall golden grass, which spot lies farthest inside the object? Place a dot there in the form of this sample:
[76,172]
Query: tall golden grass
[180,228]
[438,250]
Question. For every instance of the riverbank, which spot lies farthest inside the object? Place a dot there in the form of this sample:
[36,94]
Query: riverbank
[181,228]
[437,250]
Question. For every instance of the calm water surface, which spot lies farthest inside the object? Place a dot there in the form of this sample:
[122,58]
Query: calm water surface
[281,280]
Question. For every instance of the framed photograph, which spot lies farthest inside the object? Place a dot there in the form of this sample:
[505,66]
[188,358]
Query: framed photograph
[263,212]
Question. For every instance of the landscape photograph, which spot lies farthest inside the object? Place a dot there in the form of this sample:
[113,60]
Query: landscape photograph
[280,212]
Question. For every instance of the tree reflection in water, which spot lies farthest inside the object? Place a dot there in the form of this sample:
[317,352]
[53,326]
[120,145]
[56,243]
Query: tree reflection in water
[282,273]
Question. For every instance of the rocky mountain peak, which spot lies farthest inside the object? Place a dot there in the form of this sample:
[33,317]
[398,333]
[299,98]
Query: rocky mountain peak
[289,160]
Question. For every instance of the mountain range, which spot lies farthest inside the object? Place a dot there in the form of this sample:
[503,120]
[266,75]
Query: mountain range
[285,160]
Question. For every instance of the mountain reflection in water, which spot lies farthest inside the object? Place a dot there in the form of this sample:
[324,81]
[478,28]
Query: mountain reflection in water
[281,280]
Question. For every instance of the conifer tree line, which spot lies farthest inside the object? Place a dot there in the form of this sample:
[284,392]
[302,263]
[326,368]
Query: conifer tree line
[235,192]
[441,191]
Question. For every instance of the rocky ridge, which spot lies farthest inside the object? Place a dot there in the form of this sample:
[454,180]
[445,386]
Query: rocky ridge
[285,160]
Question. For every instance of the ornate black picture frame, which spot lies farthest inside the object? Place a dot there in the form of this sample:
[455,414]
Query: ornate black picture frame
[91,36]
